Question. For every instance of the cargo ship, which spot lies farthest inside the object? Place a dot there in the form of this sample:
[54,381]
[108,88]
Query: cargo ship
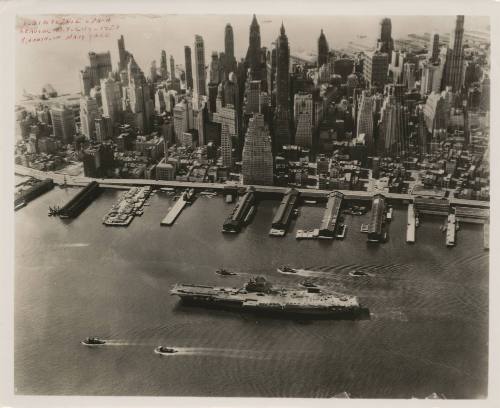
[259,296]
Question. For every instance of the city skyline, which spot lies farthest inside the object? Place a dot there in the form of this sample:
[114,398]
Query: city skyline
[378,155]
[339,31]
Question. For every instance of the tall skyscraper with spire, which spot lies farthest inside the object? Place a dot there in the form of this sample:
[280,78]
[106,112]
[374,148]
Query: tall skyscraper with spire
[455,56]
[189,67]
[230,60]
[253,58]
[322,49]
[200,81]
[282,116]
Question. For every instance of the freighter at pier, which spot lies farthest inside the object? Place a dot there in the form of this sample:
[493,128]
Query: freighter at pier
[259,296]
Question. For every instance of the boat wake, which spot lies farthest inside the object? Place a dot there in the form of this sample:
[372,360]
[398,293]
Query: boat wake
[304,272]
[224,353]
[125,343]
[75,245]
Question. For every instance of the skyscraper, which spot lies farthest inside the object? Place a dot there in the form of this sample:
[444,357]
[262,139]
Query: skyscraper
[163,65]
[364,124]
[63,123]
[88,114]
[226,146]
[137,98]
[199,67]
[99,68]
[257,166]
[215,69]
[455,56]
[229,42]
[434,47]
[393,126]
[282,117]
[385,42]
[153,71]
[229,59]
[253,60]
[111,99]
[122,54]
[252,97]
[304,120]
[189,67]
[375,67]
[322,49]
[172,68]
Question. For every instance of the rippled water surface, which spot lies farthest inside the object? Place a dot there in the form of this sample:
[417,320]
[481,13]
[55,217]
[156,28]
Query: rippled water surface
[428,330]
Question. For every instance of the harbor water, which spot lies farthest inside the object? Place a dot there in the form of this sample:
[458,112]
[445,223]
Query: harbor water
[74,278]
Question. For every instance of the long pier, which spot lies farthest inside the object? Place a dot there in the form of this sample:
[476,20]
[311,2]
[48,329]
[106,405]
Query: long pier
[174,212]
[451,230]
[410,227]
[304,192]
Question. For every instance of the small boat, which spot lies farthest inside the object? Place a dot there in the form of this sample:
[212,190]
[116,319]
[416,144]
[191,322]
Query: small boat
[310,202]
[358,273]
[286,269]
[93,341]
[308,284]
[417,222]
[165,350]
[342,231]
[225,272]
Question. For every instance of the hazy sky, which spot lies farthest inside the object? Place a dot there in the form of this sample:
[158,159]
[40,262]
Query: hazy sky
[59,62]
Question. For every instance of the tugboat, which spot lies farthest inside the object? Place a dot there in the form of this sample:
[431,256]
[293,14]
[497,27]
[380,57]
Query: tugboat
[225,272]
[165,350]
[93,341]
[286,269]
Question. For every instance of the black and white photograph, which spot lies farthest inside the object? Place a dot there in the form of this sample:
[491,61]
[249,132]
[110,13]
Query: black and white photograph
[251,205]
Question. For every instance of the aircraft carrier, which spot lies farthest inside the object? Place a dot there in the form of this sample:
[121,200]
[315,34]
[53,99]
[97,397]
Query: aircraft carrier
[259,296]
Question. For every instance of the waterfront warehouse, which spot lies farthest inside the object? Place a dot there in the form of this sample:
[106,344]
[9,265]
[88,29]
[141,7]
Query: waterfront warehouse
[375,227]
[236,220]
[330,217]
[34,191]
[434,206]
[284,213]
[80,201]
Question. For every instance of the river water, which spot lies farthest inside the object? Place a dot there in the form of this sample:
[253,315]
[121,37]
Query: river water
[428,330]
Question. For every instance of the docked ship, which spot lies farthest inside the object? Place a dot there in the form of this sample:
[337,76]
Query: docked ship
[259,296]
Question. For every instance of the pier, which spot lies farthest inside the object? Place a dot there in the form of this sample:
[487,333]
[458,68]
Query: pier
[129,205]
[410,227]
[376,231]
[472,215]
[175,210]
[329,225]
[451,231]
[80,201]
[486,235]
[29,194]
[284,213]
[241,212]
